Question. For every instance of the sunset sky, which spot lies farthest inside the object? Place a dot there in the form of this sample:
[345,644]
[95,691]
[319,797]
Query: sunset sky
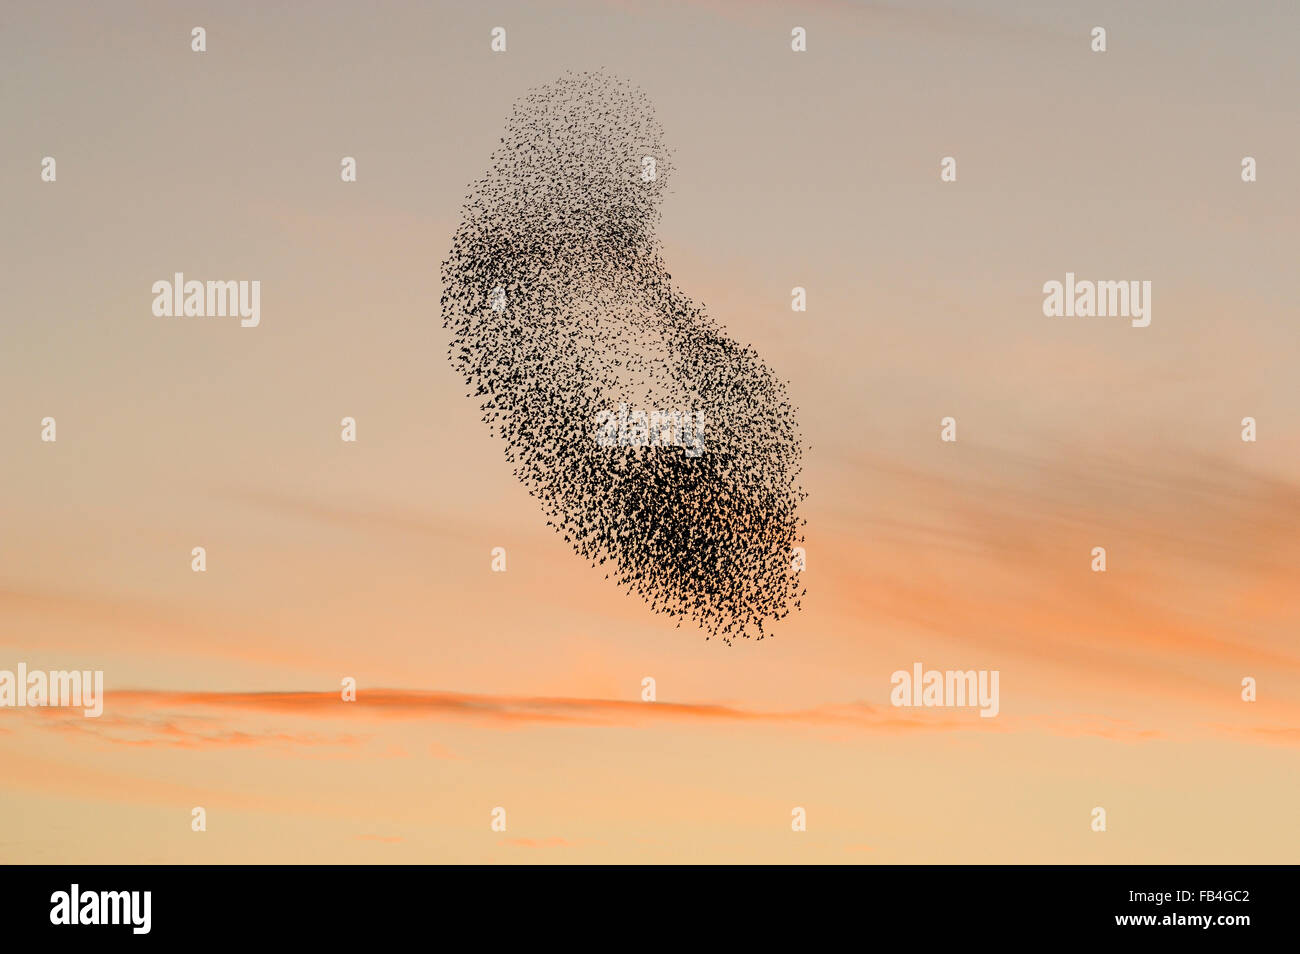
[522,689]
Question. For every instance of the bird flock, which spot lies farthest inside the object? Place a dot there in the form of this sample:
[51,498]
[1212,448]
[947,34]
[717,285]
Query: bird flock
[561,310]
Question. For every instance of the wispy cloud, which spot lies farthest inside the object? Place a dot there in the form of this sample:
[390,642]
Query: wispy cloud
[992,552]
[220,719]
[506,711]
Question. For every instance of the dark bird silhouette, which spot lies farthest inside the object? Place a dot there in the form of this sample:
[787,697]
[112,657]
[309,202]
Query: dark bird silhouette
[560,309]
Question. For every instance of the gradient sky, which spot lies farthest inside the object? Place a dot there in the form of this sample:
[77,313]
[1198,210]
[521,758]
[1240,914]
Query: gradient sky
[521,689]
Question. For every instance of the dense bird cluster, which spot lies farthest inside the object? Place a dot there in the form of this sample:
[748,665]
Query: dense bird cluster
[560,308]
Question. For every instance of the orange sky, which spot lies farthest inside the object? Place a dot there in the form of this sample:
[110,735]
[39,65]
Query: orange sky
[522,689]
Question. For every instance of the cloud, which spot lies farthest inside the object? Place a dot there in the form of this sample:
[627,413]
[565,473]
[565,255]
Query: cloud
[1262,734]
[220,719]
[177,730]
[504,711]
[991,553]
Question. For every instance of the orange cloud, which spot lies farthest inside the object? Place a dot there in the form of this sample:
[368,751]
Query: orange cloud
[200,719]
[992,552]
[506,711]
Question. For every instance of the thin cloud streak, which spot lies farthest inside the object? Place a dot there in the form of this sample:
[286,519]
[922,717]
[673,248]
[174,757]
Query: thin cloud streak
[187,720]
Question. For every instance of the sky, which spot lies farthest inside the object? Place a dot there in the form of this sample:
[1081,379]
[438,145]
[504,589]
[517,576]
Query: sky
[523,689]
